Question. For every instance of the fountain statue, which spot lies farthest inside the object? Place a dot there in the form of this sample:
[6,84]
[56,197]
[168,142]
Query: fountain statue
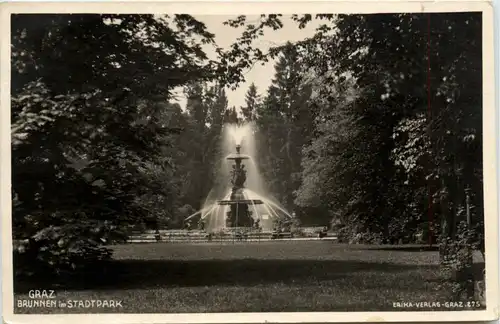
[239,214]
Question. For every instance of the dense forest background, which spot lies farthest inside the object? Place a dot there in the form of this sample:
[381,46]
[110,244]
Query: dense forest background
[373,125]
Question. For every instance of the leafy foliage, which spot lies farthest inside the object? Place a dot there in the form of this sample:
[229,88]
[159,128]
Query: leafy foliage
[395,144]
[92,127]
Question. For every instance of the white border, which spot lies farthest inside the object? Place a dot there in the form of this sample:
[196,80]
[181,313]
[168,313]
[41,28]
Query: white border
[228,7]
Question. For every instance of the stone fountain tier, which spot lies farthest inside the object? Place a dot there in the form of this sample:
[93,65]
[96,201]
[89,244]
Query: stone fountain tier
[240,201]
[238,156]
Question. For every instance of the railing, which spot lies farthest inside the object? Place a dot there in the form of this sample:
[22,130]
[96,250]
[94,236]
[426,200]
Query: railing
[196,236]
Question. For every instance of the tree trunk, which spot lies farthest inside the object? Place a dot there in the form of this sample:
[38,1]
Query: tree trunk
[468,275]
[445,225]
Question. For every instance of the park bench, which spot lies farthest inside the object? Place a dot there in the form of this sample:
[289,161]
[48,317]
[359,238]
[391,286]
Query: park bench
[281,235]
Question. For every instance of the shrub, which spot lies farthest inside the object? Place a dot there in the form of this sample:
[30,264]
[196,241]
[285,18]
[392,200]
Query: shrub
[456,262]
[67,249]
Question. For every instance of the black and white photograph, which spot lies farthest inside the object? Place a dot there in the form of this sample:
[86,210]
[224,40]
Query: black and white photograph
[199,163]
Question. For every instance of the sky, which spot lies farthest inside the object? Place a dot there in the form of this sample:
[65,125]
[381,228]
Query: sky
[260,75]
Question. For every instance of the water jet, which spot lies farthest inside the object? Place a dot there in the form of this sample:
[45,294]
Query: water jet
[241,205]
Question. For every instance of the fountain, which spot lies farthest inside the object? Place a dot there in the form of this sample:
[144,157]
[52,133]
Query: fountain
[244,204]
[239,214]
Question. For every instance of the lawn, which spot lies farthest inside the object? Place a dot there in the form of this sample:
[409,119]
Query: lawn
[256,277]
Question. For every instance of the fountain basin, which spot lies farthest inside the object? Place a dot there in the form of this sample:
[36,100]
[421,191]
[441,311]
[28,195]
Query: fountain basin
[238,157]
[242,201]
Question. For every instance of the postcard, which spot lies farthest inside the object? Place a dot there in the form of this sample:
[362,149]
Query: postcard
[248,162]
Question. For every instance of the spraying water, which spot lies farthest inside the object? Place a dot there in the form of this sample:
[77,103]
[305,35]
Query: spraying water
[238,132]
[239,198]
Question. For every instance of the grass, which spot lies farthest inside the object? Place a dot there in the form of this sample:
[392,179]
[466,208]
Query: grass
[255,277]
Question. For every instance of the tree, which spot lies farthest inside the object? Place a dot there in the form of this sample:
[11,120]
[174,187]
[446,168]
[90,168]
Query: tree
[231,116]
[330,161]
[284,122]
[252,101]
[206,110]
[86,131]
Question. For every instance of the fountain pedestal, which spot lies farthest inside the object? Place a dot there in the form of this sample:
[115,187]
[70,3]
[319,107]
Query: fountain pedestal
[239,214]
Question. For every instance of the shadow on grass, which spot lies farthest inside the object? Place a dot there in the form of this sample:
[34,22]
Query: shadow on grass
[477,272]
[144,274]
[404,248]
